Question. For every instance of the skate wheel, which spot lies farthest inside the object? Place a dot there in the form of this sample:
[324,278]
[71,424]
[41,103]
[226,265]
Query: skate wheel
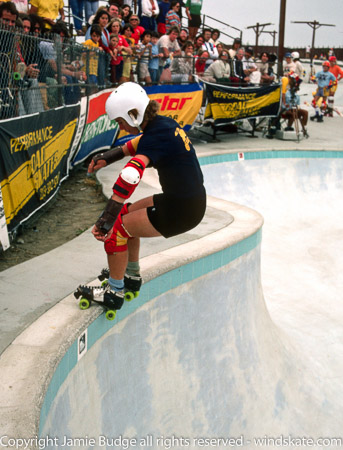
[136,293]
[104,283]
[129,296]
[84,303]
[110,314]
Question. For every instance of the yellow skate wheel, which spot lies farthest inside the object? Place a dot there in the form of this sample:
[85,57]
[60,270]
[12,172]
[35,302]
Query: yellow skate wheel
[110,314]
[84,303]
[129,296]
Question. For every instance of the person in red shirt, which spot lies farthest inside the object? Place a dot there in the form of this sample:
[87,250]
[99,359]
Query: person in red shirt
[137,29]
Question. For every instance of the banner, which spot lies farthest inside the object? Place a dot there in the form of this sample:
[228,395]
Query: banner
[229,104]
[34,160]
[99,131]
[180,102]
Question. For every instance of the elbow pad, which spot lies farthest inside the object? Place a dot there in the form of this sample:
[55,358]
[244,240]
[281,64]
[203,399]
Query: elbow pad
[111,156]
[109,216]
[129,178]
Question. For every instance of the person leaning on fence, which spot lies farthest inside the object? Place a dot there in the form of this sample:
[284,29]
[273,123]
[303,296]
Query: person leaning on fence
[263,68]
[168,46]
[182,67]
[200,62]
[219,71]
[154,61]
[90,58]
[127,55]
[237,74]
[144,56]
[71,74]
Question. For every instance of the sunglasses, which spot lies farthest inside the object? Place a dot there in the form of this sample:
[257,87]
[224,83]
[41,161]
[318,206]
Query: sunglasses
[133,20]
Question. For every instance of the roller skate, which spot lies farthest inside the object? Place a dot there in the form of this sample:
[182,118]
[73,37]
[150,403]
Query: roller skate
[132,284]
[110,300]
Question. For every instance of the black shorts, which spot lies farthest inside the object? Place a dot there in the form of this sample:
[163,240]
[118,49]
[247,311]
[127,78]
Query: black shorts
[195,22]
[171,216]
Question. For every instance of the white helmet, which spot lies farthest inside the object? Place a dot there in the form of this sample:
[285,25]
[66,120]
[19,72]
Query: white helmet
[295,55]
[123,99]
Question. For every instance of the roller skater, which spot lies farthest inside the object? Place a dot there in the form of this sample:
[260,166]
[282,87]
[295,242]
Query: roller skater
[323,79]
[163,145]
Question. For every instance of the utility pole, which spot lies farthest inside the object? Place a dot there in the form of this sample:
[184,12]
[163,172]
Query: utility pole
[314,25]
[273,34]
[258,28]
[281,36]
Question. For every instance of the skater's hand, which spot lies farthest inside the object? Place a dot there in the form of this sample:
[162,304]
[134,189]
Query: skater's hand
[98,234]
[96,165]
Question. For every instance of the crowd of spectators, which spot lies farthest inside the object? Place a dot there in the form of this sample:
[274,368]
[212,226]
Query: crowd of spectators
[120,43]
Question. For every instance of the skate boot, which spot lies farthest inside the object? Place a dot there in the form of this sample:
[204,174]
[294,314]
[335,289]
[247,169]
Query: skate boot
[132,284]
[110,300]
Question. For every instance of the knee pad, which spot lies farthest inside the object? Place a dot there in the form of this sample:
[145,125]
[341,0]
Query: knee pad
[117,242]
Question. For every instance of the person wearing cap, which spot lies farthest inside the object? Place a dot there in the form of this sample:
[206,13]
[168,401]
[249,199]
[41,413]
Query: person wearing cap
[335,68]
[235,46]
[160,143]
[324,79]
[288,65]
[250,68]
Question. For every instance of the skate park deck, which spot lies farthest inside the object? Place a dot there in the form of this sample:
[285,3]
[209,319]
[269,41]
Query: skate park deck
[195,365]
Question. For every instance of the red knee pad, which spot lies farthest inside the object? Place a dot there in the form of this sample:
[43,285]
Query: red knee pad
[117,242]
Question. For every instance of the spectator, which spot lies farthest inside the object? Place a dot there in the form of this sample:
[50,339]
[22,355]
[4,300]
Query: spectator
[198,43]
[102,18]
[26,23]
[299,69]
[219,71]
[37,25]
[91,8]
[211,49]
[113,10]
[263,67]
[48,10]
[164,6]
[183,37]
[22,6]
[137,29]
[77,7]
[126,10]
[235,46]
[215,34]
[116,62]
[200,63]
[150,11]
[182,67]
[193,11]
[114,26]
[288,65]
[237,74]
[252,75]
[168,46]
[144,56]
[71,74]
[172,17]
[90,59]
[220,48]
[291,102]
[154,61]
[127,67]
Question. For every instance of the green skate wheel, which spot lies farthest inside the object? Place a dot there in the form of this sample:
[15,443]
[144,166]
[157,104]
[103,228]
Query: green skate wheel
[84,303]
[110,315]
[129,296]
[136,294]
[104,283]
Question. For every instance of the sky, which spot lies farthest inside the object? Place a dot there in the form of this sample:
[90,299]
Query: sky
[245,13]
